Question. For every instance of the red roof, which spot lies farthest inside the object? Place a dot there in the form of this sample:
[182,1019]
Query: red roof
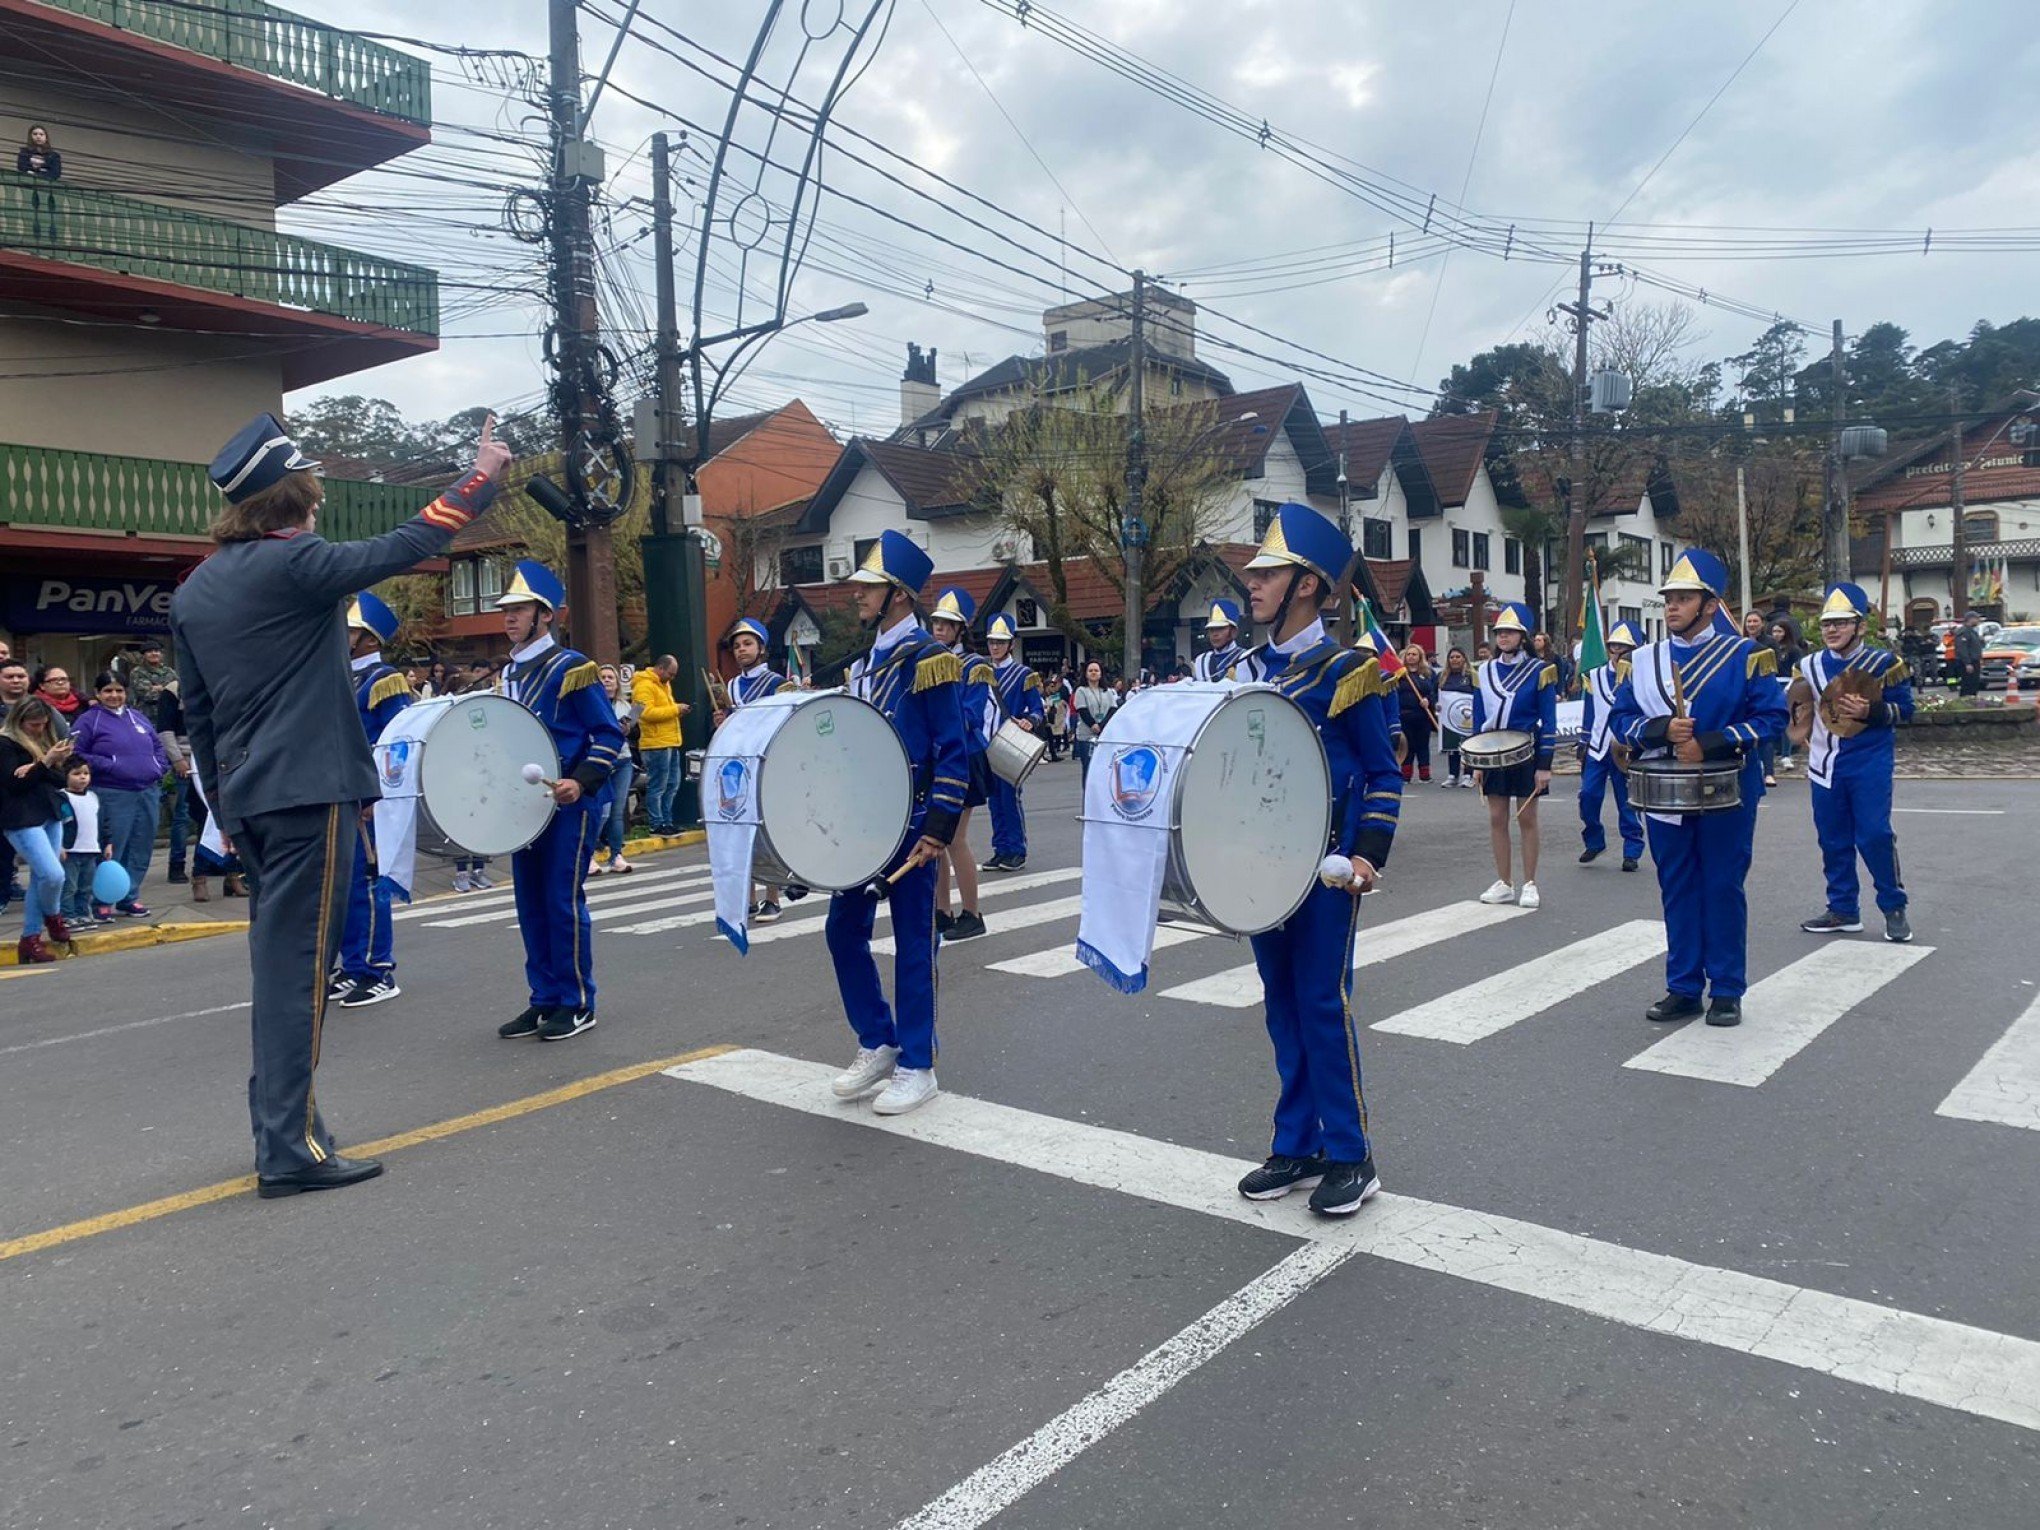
[1092,596]
[1367,444]
[1391,580]
[927,480]
[1452,446]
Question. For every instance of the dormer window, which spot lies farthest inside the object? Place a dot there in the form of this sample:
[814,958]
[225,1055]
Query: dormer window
[1058,340]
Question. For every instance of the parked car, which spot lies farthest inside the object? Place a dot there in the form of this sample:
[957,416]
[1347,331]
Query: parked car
[2012,645]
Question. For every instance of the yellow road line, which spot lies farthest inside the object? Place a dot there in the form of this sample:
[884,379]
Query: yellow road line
[169,1205]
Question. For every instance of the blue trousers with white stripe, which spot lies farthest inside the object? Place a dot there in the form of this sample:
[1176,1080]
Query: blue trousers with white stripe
[1851,818]
[366,947]
[1306,969]
[1596,777]
[909,1023]
[552,908]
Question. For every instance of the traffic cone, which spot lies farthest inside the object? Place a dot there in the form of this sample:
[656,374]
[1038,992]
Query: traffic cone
[2012,684]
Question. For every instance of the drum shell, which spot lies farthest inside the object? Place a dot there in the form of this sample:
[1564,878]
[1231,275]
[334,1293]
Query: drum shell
[1675,787]
[438,729]
[1014,752]
[1498,749]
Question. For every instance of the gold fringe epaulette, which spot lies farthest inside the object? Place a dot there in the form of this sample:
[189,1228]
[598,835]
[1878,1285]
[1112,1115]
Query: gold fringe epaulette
[1356,685]
[1548,676]
[977,670]
[937,669]
[1764,661]
[580,677]
[1621,671]
[385,688]
[1032,682]
[1895,674]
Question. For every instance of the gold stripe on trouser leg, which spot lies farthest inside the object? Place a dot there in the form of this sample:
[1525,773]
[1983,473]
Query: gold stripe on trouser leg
[368,865]
[327,891]
[580,880]
[1346,1002]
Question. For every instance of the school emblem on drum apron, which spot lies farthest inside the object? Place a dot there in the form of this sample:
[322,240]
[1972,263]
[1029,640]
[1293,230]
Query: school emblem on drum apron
[396,762]
[1136,781]
[733,789]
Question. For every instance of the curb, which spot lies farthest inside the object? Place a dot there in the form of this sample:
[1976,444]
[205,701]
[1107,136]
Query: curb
[136,937]
[652,842]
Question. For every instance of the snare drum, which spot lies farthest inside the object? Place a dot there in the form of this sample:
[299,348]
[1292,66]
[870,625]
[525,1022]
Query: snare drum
[823,776]
[463,759]
[1236,776]
[1672,786]
[1497,749]
[1014,752]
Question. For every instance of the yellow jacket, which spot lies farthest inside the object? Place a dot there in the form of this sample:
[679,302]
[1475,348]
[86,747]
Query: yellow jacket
[658,712]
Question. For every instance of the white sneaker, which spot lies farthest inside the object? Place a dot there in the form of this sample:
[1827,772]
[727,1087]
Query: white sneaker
[1501,892]
[909,1089]
[479,881]
[619,865]
[596,867]
[461,882]
[1528,897]
[870,1068]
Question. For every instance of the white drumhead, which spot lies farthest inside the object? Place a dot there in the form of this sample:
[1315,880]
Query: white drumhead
[1255,806]
[835,791]
[472,774]
[1455,711]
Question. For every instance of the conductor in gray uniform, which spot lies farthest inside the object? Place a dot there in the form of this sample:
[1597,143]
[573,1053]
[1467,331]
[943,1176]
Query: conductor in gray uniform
[277,742]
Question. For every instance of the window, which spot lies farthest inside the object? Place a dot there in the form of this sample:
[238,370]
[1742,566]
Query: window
[1480,550]
[1462,549]
[1417,544]
[1634,562]
[1979,526]
[1630,614]
[1026,613]
[1512,556]
[460,588]
[490,588]
[800,565]
[1058,340]
[1175,385]
[1264,517]
[1665,560]
[1374,538]
[860,550]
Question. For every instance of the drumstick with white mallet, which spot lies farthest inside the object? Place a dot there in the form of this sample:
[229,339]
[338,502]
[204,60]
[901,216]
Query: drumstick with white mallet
[535,774]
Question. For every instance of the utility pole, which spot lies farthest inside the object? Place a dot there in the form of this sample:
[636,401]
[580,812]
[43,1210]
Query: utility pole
[1837,518]
[1958,564]
[591,558]
[1583,314]
[1133,533]
[1345,597]
[1742,535]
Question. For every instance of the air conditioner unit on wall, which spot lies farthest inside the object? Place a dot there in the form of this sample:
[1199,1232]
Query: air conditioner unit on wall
[1005,549]
[839,568]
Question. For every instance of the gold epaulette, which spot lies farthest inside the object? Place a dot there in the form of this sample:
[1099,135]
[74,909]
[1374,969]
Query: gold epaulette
[1356,685]
[1763,661]
[388,686]
[1547,676]
[580,677]
[937,669]
[1032,682]
[1896,674]
[1621,670]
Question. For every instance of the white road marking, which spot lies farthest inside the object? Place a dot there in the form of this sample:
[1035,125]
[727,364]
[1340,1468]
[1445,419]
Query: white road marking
[1956,812]
[502,905]
[1516,993]
[128,1025]
[812,910]
[1782,1014]
[998,1485]
[2004,1087]
[1061,961]
[1906,1354]
[1017,919]
[1240,987]
[646,900]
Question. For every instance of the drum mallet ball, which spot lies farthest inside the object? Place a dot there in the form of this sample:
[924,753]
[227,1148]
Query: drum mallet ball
[535,774]
[1336,871]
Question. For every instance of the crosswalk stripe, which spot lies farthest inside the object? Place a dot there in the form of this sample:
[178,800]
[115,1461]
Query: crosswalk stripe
[806,923]
[633,896]
[1516,993]
[2005,1086]
[1019,919]
[1240,987]
[505,900]
[1786,1012]
[1061,961]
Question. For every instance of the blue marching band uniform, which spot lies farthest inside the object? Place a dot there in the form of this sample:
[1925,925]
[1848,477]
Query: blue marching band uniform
[564,690]
[916,682]
[1018,689]
[979,681]
[1217,661]
[1727,685]
[761,679]
[368,965]
[1306,963]
[1519,692]
[1851,777]
[1598,772]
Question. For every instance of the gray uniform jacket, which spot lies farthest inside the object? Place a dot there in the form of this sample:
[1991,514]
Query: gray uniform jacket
[261,635]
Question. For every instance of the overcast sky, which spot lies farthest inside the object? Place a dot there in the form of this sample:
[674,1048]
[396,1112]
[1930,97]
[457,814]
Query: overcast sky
[1898,116]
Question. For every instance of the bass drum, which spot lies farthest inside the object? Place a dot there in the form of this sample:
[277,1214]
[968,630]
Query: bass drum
[824,778]
[1236,775]
[463,759]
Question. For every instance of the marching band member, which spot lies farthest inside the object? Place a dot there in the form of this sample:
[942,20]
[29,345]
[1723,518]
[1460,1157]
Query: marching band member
[1019,692]
[368,965]
[564,689]
[915,681]
[1852,776]
[950,623]
[1516,690]
[756,679]
[1222,630]
[1306,964]
[1598,771]
[1702,694]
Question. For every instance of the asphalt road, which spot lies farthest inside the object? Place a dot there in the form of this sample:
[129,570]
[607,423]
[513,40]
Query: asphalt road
[1769,1277]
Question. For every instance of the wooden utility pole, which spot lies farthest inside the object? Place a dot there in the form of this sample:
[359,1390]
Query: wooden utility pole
[1583,314]
[1837,516]
[1133,532]
[1958,565]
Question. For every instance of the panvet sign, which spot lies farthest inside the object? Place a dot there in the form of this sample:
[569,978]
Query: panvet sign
[54,603]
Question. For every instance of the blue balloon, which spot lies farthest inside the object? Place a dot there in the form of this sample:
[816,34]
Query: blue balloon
[111,882]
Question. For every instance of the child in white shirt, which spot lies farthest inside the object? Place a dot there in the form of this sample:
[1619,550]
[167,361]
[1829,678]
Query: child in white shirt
[84,848]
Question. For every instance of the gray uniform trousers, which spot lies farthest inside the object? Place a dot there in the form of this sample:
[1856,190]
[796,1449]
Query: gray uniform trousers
[301,858]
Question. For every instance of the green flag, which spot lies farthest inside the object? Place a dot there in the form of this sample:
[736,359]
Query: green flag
[1593,643]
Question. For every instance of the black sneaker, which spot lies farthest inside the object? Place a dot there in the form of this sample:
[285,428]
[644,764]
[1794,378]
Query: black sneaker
[1675,1006]
[562,1023]
[1897,928]
[1831,923]
[1345,1188]
[1629,863]
[945,922]
[361,995]
[1589,855]
[996,863]
[966,924]
[1725,1012]
[177,878]
[524,1026]
[765,912]
[338,987]
[1280,1175]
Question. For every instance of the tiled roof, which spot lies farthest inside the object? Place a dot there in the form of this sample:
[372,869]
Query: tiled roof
[927,480]
[1452,446]
[1074,369]
[723,434]
[1368,445]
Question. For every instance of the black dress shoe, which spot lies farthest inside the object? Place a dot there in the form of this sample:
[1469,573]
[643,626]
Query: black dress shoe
[330,1175]
[523,1026]
[1589,855]
[1629,863]
[1675,1006]
[1725,1012]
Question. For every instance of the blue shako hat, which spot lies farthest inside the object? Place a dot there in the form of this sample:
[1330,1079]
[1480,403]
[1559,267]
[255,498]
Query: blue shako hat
[1697,569]
[1223,614]
[534,583]
[1845,603]
[1623,632]
[1515,617]
[756,629]
[1000,629]
[954,605]
[1298,537]
[371,615]
[895,560]
[260,456]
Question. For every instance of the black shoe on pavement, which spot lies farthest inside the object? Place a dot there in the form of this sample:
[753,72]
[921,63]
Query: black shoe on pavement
[361,995]
[177,877]
[334,1173]
[765,911]
[1629,863]
[1724,1012]
[562,1023]
[996,863]
[1897,928]
[1345,1188]
[1831,923]
[945,923]
[338,987]
[1589,855]
[966,924]
[524,1026]
[1280,1175]
[1675,1006]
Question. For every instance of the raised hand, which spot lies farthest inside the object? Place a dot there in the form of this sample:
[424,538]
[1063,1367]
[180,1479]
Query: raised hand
[492,457]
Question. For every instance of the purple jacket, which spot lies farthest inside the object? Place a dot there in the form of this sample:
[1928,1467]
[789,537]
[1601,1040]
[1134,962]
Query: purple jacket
[124,752]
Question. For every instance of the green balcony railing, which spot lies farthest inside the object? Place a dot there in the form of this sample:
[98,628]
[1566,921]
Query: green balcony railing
[277,43]
[144,496]
[75,224]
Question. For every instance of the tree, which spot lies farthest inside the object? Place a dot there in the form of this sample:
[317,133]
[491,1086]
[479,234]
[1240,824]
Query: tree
[1768,373]
[352,425]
